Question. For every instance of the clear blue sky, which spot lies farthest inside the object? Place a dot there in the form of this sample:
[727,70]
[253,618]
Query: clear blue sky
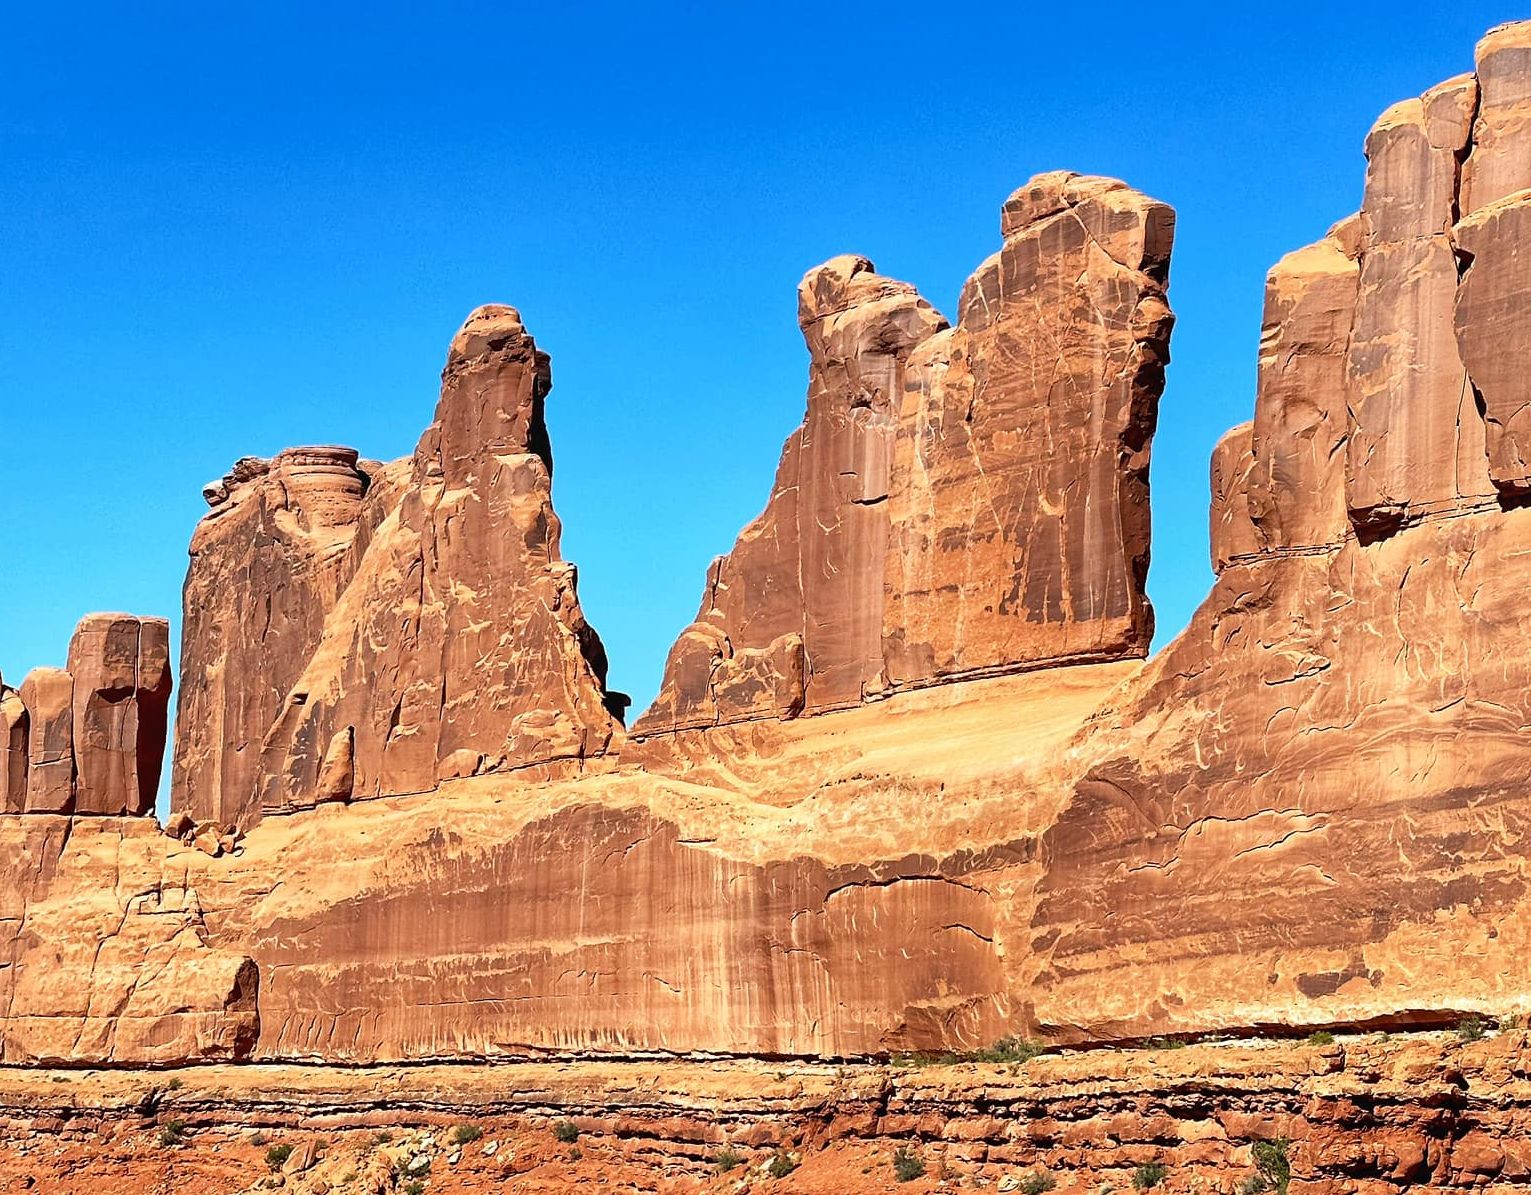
[228,229]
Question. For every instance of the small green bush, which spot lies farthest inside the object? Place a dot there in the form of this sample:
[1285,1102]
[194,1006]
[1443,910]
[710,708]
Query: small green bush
[727,1159]
[907,1165]
[781,1164]
[466,1134]
[173,1085]
[1011,1049]
[1471,1028]
[382,1137]
[277,1155]
[566,1132]
[414,1186]
[1037,1182]
[1273,1165]
[172,1132]
[1321,1037]
[1166,1043]
[1148,1176]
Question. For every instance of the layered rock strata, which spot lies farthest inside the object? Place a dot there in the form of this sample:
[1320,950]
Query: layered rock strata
[90,738]
[958,501]
[401,634]
[1364,1114]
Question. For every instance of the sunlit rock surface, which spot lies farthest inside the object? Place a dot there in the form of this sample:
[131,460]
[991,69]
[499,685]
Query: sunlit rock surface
[910,784]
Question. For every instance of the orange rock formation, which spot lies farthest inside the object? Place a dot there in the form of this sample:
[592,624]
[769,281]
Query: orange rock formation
[909,783]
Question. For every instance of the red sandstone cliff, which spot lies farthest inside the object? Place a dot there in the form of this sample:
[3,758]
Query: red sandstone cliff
[959,502]
[375,632]
[1308,809]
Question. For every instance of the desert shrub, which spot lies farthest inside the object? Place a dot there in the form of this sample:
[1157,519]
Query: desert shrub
[727,1159]
[781,1164]
[466,1134]
[1165,1043]
[1273,1165]
[566,1132]
[1010,1049]
[173,1085]
[1148,1176]
[382,1137]
[277,1155]
[172,1132]
[1037,1182]
[414,1186]
[1322,1037]
[907,1165]
[1471,1028]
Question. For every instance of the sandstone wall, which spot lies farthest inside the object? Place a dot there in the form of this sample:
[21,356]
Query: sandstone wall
[366,632]
[90,738]
[1315,796]
[958,501]
[1308,810]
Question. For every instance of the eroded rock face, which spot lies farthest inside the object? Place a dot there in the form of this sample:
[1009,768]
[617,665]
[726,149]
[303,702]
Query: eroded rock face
[958,502]
[403,632]
[103,971]
[1019,504]
[268,563]
[792,617]
[121,672]
[1308,810]
[1331,757]
[90,738]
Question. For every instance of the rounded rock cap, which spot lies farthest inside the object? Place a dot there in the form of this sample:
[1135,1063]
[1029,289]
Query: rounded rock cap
[488,328]
[841,283]
[1047,194]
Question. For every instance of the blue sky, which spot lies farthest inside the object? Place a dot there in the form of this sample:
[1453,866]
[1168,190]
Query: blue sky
[228,230]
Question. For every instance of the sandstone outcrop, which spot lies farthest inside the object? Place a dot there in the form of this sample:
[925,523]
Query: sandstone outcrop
[105,950]
[1313,797]
[403,634]
[268,563]
[1308,811]
[1372,1114]
[958,501]
[90,739]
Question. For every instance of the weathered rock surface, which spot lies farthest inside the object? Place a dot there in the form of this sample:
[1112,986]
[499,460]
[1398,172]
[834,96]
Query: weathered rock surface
[1313,797]
[1364,1114]
[104,950]
[121,671]
[958,502]
[1019,500]
[1307,811]
[90,738]
[398,628]
[1417,442]
[268,563]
